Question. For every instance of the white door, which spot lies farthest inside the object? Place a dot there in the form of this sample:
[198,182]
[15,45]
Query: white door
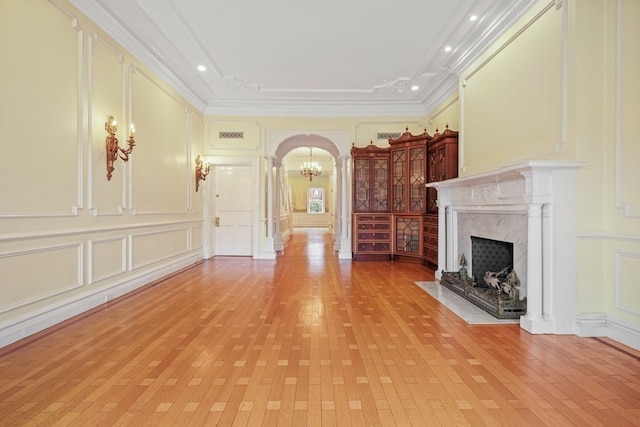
[232,198]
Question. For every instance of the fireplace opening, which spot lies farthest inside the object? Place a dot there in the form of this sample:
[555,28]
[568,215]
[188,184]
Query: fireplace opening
[489,255]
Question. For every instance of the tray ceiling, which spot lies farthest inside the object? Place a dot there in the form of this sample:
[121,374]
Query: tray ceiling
[307,57]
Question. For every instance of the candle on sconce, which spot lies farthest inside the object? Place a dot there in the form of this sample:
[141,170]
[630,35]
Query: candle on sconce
[132,130]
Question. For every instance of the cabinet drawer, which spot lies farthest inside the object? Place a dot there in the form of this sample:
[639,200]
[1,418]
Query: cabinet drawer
[374,226]
[431,230]
[373,247]
[374,218]
[430,239]
[430,220]
[374,236]
[430,253]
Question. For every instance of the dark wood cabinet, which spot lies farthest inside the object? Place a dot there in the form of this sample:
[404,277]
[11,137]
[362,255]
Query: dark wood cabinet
[408,199]
[395,215]
[372,236]
[442,163]
[370,179]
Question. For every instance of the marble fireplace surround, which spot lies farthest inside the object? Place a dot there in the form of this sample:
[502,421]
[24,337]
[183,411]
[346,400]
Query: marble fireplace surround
[532,205]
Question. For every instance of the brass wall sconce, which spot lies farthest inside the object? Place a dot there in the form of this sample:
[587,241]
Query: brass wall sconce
[202,171]
[113,149]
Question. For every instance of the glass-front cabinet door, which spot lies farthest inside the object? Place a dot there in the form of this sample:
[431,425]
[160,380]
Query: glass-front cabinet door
[417,168]
[380,178]
[408,235]
[361,184]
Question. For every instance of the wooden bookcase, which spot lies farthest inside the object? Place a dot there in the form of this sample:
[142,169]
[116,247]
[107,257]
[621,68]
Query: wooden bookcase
[372,229]
[408,196]
[370,179]
[395,215]
[442,163]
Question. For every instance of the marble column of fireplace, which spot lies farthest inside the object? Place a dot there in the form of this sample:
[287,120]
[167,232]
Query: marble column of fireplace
[531,204]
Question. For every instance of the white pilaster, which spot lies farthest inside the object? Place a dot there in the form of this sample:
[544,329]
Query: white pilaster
[345,235]
[277,233]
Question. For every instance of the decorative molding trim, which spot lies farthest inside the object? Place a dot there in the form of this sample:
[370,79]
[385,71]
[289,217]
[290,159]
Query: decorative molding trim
[94,40]
[69,287]
[625,208]
[79,203]
[318,108]
[132,240]
[99,13]
[618,283]
[607,236]
[37,320]
[603,325]
[8,237]
[396,85]
[90,259]
[504,45]
[235,84]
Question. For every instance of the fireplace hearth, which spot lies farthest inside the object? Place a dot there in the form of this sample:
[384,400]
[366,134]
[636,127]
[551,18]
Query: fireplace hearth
[497,292]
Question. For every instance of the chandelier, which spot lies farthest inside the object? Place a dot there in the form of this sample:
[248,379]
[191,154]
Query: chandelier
[310,169]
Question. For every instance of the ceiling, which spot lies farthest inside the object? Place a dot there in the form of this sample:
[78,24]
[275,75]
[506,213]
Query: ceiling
[307,57]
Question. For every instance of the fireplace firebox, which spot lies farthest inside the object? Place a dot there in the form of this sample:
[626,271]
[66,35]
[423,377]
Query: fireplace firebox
[493,285]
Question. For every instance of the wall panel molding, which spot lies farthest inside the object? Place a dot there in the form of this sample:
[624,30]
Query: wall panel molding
[136,240]
[8,237]
[97,139]
[78,203]
[27,275]
[624,206]
[625,280]
[92,258]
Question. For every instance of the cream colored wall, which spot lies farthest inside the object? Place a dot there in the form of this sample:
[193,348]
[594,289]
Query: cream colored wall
[562,85]
[512,99]
[445,114]
[70,239]
[360,130]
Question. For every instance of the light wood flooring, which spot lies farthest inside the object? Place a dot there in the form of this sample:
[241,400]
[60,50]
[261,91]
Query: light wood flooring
[307,340]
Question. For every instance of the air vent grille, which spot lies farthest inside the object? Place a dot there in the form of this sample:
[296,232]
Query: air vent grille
[388,135]
[231,135]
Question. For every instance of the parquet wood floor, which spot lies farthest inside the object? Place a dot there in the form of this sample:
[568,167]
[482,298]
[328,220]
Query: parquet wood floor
[307,340]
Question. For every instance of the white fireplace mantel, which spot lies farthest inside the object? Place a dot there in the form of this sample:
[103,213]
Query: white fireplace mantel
[543,192]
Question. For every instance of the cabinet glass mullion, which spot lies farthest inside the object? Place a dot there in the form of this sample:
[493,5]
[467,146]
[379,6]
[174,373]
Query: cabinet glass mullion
[416,179]
[398,180]
[362,173]
[380,202]
[408,235]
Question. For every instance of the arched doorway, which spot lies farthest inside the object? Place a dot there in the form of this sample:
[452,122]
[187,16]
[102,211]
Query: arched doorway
[336,144]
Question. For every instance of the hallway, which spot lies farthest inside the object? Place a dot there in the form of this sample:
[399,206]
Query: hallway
[307,340]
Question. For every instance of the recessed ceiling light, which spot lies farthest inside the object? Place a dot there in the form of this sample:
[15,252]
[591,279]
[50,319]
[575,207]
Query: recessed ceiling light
[473,18]
[202,68]
[415,87]
[447,49]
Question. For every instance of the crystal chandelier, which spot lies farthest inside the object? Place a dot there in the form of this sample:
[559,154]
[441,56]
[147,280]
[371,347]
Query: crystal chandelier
[310,169]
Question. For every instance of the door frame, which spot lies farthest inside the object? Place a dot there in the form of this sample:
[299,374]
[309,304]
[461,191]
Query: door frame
[209,202]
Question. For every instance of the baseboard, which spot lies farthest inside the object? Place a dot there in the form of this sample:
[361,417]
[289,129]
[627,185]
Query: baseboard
[603,325]
[38,320]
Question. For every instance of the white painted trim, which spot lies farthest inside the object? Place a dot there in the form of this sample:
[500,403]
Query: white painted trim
[618,282]
[79,282]
[37,320]
[626,208]
[603,325]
